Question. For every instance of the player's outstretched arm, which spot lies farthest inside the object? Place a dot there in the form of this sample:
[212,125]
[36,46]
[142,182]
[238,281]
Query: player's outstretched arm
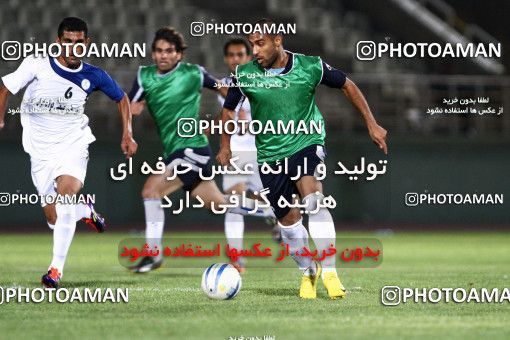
[225,153]
[128,144]
[212,83]
[137,107]
[4,95]
[355,96]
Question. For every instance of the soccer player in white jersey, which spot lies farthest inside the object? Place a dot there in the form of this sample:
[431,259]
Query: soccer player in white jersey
[56,134]
[237,51]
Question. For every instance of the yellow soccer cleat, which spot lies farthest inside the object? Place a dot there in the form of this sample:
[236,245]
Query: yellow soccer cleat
[333,285]
[308,288]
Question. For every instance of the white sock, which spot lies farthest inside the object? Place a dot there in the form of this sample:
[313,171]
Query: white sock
[322,231]
[82,211]
[155,222]
[296,236]
[52,226]
[250,205]
[63,233]
[234,229]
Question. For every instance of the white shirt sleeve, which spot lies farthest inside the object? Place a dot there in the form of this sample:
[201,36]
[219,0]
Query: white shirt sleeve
[25,73]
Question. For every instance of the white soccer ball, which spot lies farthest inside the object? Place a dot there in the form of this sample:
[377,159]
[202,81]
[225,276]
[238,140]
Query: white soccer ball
[221,281]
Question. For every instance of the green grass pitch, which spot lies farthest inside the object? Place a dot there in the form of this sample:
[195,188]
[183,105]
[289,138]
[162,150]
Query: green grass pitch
[168,303]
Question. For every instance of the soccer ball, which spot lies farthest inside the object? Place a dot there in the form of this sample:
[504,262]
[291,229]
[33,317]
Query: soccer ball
[221,281]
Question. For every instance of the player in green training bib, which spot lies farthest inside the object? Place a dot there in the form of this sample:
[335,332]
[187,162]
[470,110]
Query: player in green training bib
[171,90]
[280,86]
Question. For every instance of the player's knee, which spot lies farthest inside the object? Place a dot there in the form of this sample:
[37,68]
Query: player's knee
[149,192]
[319,212]
[51,219]
[312,201]
[68,185]
[292,217]
[68,189]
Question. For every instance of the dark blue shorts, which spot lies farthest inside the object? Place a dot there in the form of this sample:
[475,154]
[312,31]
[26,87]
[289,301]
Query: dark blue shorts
[282,185]
[198,158]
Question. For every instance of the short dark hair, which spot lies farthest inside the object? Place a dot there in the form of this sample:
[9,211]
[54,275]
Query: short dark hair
[72,24]
[170,35]
[237,41]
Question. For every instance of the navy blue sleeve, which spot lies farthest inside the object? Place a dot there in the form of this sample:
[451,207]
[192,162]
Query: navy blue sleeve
[110,87]
[208,81]
[136,94]
[332,77]
[234,97]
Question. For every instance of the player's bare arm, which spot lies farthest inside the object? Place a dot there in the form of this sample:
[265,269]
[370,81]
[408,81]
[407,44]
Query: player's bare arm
[221,89]
[4,95]
[230,115]
[137,107]
[128,144]
[356,97]
[225,153]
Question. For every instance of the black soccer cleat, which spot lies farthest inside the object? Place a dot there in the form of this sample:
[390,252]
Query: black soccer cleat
[51,279]
[146,264]
[95,220]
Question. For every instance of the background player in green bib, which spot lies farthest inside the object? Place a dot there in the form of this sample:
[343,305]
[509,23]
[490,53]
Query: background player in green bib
[299,76]
[171,90]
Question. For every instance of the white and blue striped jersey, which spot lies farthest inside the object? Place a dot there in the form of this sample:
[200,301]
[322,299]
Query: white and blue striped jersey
[52,111]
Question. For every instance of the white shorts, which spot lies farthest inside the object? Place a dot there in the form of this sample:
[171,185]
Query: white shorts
[44,172]
[253,181]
